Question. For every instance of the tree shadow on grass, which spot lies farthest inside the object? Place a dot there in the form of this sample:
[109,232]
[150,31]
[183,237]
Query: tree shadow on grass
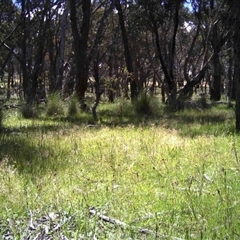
[28,157]
[214,120]
[189,123]
[33,128]
[44,125]
[198,122]
[195,122]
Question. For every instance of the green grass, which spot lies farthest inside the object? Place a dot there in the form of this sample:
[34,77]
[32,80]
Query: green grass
[176,174]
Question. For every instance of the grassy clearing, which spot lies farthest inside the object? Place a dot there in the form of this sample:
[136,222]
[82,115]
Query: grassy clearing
[175,174]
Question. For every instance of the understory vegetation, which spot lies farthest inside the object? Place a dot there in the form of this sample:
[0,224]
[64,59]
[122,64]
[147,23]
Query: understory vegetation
[136,173]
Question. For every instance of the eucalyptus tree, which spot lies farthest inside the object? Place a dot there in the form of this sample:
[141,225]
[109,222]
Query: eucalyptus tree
[142,51]
[30,38]
[197,59]
[9,25]
[234,20]
[95,53]
[84,47]
[163,20]
[216,15]
[114,60]
[128,55]
[80,41]
[56,49]
[231,90]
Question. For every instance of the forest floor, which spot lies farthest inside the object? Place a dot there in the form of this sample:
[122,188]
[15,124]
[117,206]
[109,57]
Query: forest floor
[169,175]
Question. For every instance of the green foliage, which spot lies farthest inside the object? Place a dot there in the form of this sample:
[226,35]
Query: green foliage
[55,106]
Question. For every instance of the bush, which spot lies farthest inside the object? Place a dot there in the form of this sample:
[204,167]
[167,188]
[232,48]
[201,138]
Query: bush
[55,106]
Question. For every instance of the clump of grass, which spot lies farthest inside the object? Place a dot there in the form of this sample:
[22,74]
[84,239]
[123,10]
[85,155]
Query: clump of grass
[146,105]
[73,108]
[203,102]
[28,111]
[119,112]
[142,104]
[123,108]
[55,106]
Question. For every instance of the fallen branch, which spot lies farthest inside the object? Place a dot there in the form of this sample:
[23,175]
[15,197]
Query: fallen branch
[93,212]
[114,221]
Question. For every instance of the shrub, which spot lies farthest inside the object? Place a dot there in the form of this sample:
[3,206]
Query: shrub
[55,105]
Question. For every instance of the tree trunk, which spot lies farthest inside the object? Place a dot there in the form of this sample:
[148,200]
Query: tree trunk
[80,46]
[111,83]
[97,87]
[237,74]
[167,62]
[23,62]
[235,13]
[128,58]
[215,87]
[52,61]
[231,85]
[61,55]
[183,93]
[9,83]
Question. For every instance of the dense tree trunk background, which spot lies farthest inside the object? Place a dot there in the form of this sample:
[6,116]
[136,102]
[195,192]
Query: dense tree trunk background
[161,47]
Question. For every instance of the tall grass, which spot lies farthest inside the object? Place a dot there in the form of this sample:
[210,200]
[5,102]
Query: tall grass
[55,105]
[29,111]
[146,105]
[157,177]
[73,106]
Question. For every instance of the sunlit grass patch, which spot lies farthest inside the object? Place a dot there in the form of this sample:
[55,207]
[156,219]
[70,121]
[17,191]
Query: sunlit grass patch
[156,177]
